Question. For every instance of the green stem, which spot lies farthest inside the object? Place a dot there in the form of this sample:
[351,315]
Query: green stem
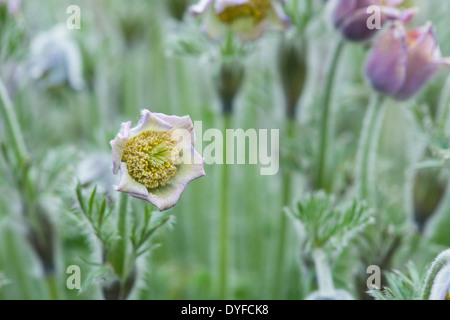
[326,120]
[367,150]
[323,273]
[440,262]
[52,287]
[223,221]
[12,126]
[121,249]
[282,233]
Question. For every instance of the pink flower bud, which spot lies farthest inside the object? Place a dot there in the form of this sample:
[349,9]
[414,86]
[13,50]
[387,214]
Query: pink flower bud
[402,61]
[359,20]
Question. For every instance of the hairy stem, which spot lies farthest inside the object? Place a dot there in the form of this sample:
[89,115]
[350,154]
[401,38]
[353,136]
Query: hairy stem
[282,232]
[326,121]
[440,262]
[223,232]
[367,150]
[121,249]
[323,273]
[12,126]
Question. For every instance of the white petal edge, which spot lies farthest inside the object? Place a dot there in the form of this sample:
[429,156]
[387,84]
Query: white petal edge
[118,144]
[200,7]
[149,121]
[179,124]
[221,5]
[166,197]
[128,185]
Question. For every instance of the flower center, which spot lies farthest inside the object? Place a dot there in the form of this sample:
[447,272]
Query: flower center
[151,157]
[253,8]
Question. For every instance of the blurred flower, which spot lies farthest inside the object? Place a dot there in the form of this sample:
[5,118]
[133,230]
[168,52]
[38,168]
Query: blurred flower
[351,17]
[247,18]
[13,5]
[403,60]
[156,158]
[56,59]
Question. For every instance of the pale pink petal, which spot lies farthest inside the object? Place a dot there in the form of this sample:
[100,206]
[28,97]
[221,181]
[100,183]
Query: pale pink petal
[221,5]
[118,144]
[166,197]
[128,185]
[279,19]
[200,7]
[149,121]
[179,123]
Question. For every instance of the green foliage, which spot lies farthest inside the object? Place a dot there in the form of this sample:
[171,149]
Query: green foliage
[328,225]
[401,286]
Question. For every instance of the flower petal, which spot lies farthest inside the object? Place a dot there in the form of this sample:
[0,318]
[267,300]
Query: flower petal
[128,185]
[221,5]
[423,59]
[118,144]
[441,284]
[149,121]
[386,67]
[342,10]
[166,197]
[200,7]
[178,124]
[278,18]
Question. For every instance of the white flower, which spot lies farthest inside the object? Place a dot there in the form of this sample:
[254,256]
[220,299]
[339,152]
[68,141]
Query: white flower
[247,18]
[56,59]
[156,158]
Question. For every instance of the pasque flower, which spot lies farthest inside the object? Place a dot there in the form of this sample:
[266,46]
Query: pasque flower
[56,59]
[156,158]
[402,60]
[351,17]
[247,18]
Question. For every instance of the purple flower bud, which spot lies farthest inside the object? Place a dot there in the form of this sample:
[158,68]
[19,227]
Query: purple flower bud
[402,61]
[359,20]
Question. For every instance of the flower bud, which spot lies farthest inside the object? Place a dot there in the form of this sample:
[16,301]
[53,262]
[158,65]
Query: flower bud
[292,67]
[403,61]
[56,60]
[229,81]
[359,20]
[177,8]
[429,190]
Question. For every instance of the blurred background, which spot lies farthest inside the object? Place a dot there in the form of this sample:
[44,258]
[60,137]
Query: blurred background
[71,94]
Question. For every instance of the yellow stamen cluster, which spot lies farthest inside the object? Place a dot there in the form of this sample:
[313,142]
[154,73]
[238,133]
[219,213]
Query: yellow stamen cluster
[151,157]
[447,297]
[253,8]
